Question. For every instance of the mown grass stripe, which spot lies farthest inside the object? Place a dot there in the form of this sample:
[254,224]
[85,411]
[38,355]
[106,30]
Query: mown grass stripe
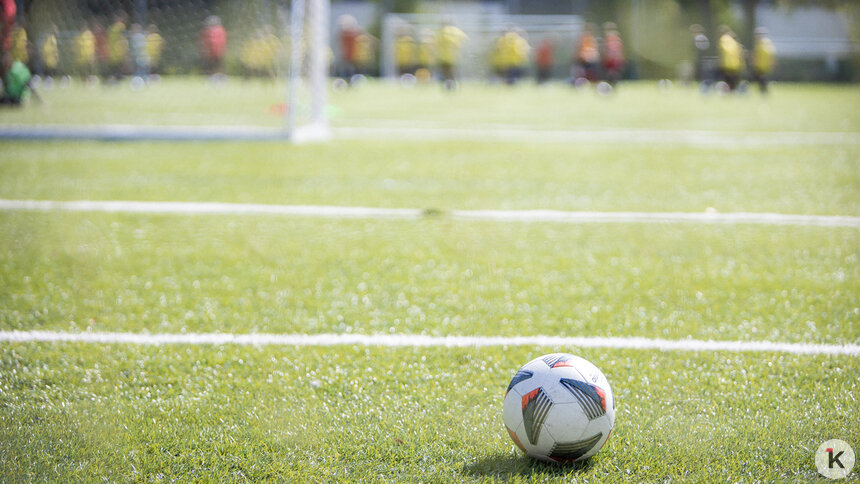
[328,211]
[407,340]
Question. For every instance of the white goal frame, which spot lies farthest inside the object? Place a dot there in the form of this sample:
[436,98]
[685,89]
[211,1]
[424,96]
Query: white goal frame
[309,70]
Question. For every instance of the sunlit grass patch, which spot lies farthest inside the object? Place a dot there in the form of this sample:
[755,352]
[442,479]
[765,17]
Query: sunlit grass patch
[437,276]
[819,180]
[85,412]
[75,412]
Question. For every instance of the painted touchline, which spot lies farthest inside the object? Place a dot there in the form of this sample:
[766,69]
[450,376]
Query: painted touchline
[329,211]
[406,340]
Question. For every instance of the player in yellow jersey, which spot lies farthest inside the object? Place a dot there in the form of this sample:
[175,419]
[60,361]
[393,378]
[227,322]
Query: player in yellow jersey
[155,49]
[513,54]
[449,42]
[763,59]
[405,51]
[260,52]
[270,49]
[249,56]
[731,57]
[20,45]
[426,55]
[497,61]
[85,52]
[50,53]
[117,47]
[365,53]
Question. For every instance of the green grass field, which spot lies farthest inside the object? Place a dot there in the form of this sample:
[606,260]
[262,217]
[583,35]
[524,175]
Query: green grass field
[803,108]
[125,412]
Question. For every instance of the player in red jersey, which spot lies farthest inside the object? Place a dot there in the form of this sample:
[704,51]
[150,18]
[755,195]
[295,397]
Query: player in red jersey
[8,11]
[613,53]
[213,46]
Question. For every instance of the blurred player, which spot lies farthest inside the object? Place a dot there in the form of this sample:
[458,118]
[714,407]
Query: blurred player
[270,47]
[426,55]
[16,81]
[8,11]
[118,47]
[587,58]
[513,52]
[50,54]
[155,49]
[405,51]
[102,50]
[544,59]
[347,38]
[139,54]
[702,64]
[731,58]
[213,47]
[365,55]
[497,61]
[249,57]
[449,42]
[20,45]
[85,53]
[613,53]
[763,59]
[259,54]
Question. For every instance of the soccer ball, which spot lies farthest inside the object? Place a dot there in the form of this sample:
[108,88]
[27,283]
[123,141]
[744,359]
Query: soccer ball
[559,408]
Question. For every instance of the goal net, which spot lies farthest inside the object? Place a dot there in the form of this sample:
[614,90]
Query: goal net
[482,32]
[173,68]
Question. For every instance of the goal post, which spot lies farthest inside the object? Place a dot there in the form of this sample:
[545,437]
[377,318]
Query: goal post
[307,91]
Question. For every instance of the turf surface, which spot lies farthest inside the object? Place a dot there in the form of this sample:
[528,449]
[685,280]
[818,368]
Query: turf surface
[455,175]
[344,413]
[637,105]
[108,272]
[85,412]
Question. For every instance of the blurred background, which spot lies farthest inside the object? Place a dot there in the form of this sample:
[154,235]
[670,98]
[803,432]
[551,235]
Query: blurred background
[817,40]
[274,62]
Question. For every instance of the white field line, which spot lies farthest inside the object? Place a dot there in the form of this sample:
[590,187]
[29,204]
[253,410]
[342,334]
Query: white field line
[213,208]
[139,132]
[656,217]
[391,340]
[633,136]
[410,130]
[208,208]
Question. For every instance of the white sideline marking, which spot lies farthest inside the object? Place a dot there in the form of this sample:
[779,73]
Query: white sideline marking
[404,340]
[409,130]
[209,208]
[214,208]
[657,217]
[429,132]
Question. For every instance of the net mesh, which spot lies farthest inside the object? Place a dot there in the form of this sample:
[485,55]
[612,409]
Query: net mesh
[190,63]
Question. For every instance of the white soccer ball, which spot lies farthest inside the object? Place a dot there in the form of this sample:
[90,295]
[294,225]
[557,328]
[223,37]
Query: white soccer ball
[604,88]
[559,408]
